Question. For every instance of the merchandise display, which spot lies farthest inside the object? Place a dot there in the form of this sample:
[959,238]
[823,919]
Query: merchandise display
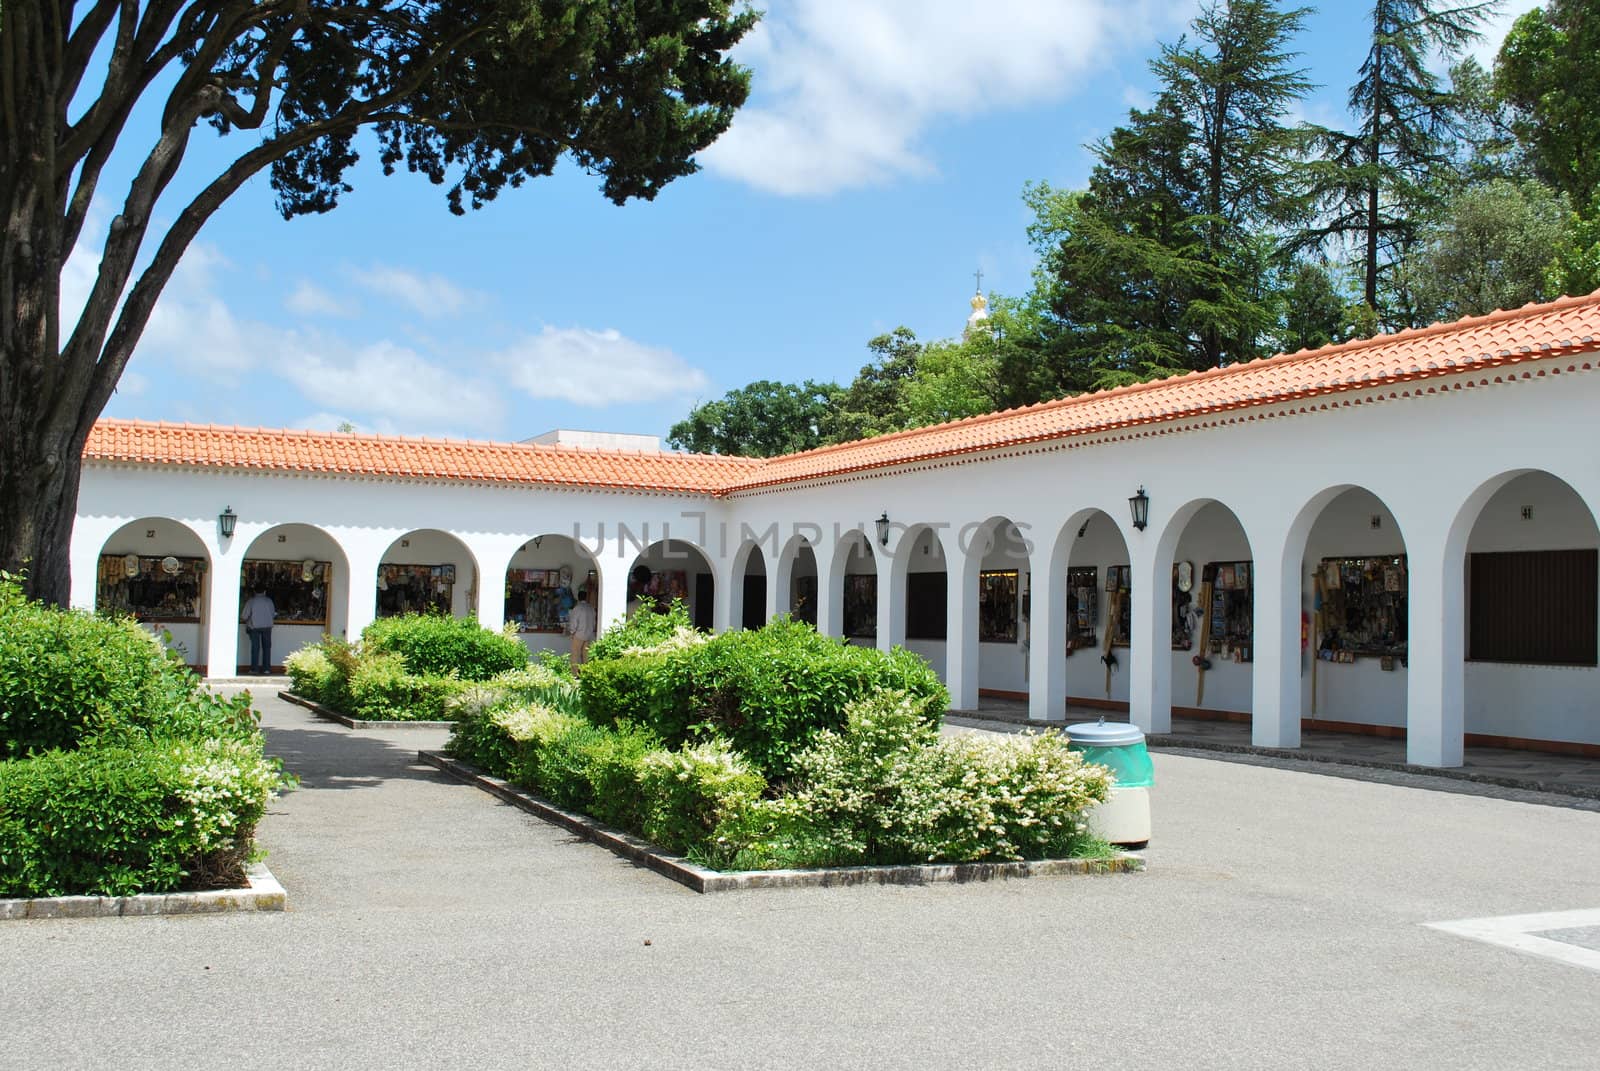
[1360,609]
[299,589]
[539,600]
[151,588]
[1185,614]
[997,606]
[415,589]
[1083,606]
[1230,610]
[861,606]
[1119,602]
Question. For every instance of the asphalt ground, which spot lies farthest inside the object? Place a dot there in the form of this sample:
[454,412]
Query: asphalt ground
[1280,925]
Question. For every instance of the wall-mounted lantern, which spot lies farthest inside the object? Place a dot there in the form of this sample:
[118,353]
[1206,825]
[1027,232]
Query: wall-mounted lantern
[883,529]
[225,522]
[1140,504]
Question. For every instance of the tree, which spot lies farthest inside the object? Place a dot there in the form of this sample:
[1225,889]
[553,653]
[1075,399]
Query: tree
[1164,263]
[1375,184]
[763,419]
[1493,248]
[1313,309]
[874,402]
[1547,71]
[492,92]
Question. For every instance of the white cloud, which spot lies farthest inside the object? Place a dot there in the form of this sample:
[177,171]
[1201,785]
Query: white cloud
[309,299]
[387,380]
[193,327]
[430,295]
[845,88]
[596,368]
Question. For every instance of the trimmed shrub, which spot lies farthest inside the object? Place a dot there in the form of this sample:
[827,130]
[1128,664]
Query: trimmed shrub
[689,792]
[888,789]
[534,684]
[434,645]
[146,817]
[645,628]
[312,674]
[768,691]
[68,678]
[382,690]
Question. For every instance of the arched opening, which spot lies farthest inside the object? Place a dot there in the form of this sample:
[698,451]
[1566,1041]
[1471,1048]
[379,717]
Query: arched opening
[1355,607]
[856,566]
[749,578]
[1212,675]
[992,643]
[1532,613]
[157,569]
[672,569]
[921,590]
[427,571]
[1098,613]
[543,582]
[305,573]
[797,580]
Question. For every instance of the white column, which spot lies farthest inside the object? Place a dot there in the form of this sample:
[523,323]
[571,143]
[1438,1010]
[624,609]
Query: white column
[1047,633]
[1150,656]
[727,594]
[892,595]
[961,657]
[222,627]
[494,558]
[1435,646]
[365,555]
[830,591]
[613,605]
[1275,674]
[778,597]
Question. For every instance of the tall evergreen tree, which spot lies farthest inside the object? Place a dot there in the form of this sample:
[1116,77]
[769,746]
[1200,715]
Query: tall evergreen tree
[1375,183]
[1160,265]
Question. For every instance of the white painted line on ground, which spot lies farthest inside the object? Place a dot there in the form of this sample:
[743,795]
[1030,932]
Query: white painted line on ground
[1520,933]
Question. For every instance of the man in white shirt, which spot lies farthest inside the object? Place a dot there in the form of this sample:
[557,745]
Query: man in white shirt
[257,615]
[581,625]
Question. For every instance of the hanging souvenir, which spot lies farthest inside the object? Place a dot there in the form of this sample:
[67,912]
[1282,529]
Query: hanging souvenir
[130,565]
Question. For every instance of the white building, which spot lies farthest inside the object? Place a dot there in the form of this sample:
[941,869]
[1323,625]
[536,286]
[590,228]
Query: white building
[1420,507]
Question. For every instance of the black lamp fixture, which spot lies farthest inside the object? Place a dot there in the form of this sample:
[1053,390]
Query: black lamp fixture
[225,522]
[1140,504]
[883,529]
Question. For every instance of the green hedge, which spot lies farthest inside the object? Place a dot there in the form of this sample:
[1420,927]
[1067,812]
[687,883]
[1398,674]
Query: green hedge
[888,789]
[434,645]
[116,820]
[620,775]
[767,691]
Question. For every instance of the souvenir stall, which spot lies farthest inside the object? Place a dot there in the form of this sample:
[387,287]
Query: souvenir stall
[997,606]
[167,593]
[415,589]
[301,591]
[1359,610]
[861,606]
[1083,607]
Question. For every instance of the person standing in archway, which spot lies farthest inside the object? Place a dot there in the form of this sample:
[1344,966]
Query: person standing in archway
[581,627]
[257,616]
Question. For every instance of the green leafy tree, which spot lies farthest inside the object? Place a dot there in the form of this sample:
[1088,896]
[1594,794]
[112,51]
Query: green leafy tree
[1314,309]
[874,402]
[1494,247]
[480,94]
[1547,71]
[764,419]
[1375,182]
[1165,263]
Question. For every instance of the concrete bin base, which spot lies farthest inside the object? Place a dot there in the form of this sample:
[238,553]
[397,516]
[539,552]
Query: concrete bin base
[1124,818]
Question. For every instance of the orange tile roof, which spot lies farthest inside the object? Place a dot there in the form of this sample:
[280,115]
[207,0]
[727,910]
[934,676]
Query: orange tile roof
[1532,333]
[211,445]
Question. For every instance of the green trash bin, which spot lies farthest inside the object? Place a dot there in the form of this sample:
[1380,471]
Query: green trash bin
[1124,818]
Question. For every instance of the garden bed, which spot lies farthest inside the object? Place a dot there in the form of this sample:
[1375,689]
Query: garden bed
[358,723]
[704,880]
[260,892]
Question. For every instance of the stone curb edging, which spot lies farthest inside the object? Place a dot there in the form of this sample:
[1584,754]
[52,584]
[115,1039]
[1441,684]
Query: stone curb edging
[969,720]
[261,893]
[702,880]
[357,723]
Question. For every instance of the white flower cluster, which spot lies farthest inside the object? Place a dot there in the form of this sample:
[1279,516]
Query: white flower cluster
[226,785]
[681,639]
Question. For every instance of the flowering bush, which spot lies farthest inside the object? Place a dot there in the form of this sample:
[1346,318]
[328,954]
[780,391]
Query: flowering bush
[150,816]
[889,789]
[689,792]
[381,689]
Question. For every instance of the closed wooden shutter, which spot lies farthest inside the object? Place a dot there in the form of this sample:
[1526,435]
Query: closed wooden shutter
[1533,606]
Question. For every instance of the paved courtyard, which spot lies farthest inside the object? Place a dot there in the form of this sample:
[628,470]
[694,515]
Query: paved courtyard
[1281,924]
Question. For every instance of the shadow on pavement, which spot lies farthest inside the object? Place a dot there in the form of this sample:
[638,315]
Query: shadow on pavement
[340,759]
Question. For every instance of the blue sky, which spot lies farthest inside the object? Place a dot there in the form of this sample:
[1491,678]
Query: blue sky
[879,162]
